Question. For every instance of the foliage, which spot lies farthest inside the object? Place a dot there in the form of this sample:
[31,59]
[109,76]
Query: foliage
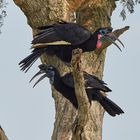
[129,5]
[2,12]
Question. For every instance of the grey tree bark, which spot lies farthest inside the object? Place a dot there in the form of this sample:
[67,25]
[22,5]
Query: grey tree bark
[91,14]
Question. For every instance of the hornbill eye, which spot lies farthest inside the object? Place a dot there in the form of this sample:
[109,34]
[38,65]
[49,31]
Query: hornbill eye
[102,32]
[50,72]
[106,30]
[45,71]
[50,68]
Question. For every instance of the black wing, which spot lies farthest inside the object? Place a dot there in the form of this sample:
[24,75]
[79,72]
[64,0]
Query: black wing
[91,81]
[112,108]
[68,80]
[71,33]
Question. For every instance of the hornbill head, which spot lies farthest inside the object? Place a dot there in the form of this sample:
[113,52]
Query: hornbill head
[107,34]
[47,71]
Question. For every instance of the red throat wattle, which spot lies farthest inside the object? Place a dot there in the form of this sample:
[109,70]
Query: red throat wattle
[99,43]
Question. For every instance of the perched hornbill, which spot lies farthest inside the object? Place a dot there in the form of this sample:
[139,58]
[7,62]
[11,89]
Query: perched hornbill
[61,38]
[65,85]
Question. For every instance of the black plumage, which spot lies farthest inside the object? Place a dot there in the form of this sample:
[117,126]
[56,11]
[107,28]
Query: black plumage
[61,38]
[72,33]
[65,85]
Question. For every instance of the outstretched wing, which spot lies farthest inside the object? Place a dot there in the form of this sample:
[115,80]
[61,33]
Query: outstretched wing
[65,33]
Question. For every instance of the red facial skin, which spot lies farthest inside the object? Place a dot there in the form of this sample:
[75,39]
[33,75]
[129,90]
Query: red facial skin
[99,43]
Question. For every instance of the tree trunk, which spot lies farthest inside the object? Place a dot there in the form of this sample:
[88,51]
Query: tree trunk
[92,14]
[2,134]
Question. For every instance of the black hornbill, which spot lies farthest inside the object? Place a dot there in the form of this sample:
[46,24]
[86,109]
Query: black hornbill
[65,85]
[61,38]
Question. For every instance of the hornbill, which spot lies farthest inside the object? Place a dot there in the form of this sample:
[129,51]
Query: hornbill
[65,85]
[61,38]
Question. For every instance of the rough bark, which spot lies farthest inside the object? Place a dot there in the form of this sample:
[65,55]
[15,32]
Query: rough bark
[82,124]
[92,14]
[2,135]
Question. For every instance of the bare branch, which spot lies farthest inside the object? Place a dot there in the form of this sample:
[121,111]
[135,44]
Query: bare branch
[2,134]
[83,103]
[79,79]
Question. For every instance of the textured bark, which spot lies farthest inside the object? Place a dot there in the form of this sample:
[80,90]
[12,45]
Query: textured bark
[2,135]
[92,14]
[82,124]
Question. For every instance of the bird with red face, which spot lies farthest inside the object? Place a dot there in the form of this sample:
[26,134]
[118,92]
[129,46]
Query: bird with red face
[62,38]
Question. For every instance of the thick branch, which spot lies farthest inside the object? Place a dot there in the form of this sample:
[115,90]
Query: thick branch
[80,131]
[2,135]
[75,4]
[79,79]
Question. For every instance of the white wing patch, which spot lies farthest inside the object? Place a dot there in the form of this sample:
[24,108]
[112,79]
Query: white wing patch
[42,45]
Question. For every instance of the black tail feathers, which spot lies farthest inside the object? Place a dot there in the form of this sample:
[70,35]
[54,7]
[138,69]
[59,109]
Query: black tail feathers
[112,108]
[27,62]
[61,51]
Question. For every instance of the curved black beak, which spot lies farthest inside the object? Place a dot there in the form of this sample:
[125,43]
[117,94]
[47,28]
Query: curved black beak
[40,79]
[111,37]
[38,73]
[114,37]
